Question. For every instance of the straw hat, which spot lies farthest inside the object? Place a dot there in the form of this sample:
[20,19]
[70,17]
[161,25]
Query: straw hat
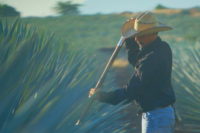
[145,23]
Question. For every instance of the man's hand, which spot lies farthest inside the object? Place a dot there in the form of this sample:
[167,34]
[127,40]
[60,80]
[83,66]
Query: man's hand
[92,92]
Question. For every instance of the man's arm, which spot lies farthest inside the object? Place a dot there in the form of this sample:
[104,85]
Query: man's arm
[132,50]
[113,97]
[119,95]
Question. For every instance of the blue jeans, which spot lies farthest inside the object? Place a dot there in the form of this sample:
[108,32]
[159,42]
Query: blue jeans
[159,121]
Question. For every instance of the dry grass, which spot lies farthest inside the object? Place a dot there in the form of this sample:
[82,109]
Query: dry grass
[172,37]
[194,13]
[167,11]
[120,63]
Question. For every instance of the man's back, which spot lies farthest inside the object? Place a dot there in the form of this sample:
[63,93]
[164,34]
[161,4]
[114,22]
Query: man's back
[150,84]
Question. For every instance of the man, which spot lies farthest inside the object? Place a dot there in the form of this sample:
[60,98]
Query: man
[150,85]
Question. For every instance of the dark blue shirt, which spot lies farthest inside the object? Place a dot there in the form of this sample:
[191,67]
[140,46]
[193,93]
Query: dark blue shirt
[150,85]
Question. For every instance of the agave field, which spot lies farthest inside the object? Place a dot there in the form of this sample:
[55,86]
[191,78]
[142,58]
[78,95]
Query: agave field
[186,80]
[44,85]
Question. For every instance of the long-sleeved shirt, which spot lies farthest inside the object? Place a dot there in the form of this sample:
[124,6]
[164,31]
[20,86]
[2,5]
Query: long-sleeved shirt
[150,85]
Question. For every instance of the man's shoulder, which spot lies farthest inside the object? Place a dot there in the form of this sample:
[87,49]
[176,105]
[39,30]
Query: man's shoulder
[164,47]
[164,51]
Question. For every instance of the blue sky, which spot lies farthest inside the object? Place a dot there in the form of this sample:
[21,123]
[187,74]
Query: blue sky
[45,7]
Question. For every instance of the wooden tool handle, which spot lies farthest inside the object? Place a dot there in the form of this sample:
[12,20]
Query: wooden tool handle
[102,77]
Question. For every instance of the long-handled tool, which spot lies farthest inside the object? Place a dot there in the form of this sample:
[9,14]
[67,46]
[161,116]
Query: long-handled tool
[126,33]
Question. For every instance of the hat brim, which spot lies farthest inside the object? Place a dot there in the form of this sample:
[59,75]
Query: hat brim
[128,31]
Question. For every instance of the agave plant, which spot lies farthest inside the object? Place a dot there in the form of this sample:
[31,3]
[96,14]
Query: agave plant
[44,85]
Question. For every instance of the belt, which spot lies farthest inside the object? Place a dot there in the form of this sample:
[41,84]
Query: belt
[161,107]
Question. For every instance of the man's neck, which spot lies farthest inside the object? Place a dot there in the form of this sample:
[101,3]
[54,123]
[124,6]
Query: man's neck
[147,41]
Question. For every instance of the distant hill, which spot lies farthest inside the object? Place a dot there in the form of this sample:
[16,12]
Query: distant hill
[195,11]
